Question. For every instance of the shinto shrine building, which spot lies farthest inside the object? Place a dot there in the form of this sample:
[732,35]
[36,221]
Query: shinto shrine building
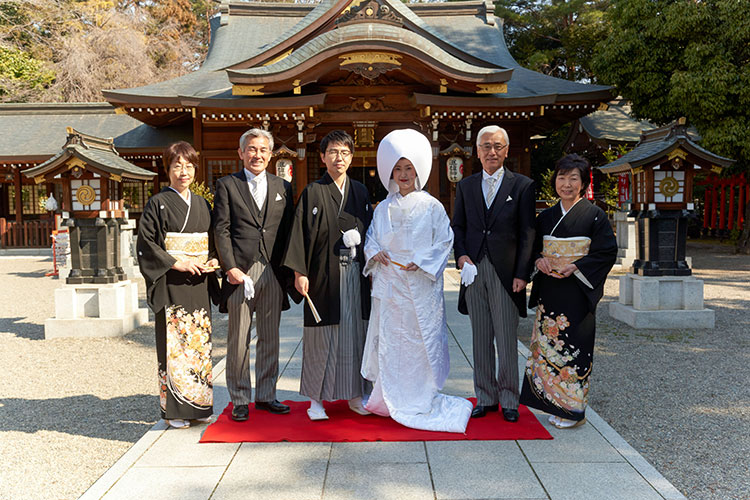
[364,66]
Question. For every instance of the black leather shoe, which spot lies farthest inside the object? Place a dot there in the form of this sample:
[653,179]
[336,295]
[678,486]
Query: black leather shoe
[272,406]
[240,413]
[510,415]
[480,411]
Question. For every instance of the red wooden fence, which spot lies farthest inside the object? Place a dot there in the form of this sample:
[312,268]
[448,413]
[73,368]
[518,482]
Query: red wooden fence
[724,202]
[27,234]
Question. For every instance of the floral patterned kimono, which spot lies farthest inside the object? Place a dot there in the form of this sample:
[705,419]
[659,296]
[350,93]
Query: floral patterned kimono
[169,229]
[562,344]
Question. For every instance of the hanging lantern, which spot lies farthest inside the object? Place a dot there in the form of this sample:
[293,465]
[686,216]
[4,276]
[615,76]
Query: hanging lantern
[455,168]
[284,169]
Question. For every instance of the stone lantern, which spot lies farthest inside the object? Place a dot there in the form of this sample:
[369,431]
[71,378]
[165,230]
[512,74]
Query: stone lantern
[97,299]
[659,291]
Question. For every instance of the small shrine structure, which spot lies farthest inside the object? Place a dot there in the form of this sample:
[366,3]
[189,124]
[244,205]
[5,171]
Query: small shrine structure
[97,298]
[660,291]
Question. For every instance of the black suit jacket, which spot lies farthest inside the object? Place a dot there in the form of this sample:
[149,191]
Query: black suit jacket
[241,230]
[507,230]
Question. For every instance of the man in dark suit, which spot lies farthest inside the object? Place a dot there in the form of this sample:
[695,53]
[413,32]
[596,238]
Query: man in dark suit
[253,211]
[493,222]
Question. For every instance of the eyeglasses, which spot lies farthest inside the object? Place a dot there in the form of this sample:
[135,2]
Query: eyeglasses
[176,167]
[487,147]
[343,153]
[262,151]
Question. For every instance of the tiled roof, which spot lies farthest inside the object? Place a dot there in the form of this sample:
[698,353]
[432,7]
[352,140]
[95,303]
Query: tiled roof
[40,129]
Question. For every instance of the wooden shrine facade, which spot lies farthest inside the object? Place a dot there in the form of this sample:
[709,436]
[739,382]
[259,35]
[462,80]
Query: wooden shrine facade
[367,67]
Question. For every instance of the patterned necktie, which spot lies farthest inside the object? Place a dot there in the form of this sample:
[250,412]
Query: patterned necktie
[490,191]
[255,192]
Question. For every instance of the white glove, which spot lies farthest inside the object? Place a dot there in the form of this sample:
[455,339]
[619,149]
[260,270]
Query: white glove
[249,288]
[468,273]
[352,238]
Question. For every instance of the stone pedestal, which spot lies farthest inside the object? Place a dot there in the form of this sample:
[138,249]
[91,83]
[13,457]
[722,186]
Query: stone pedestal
[128,262]
[661,302]
[626,244]
[95,310]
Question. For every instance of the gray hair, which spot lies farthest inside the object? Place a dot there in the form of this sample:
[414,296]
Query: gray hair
[252,134]
[492,129]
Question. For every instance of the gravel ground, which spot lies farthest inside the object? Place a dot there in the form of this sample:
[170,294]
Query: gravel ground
[69,408]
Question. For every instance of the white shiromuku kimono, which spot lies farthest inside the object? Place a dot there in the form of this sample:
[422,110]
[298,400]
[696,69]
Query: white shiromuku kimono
[406,351]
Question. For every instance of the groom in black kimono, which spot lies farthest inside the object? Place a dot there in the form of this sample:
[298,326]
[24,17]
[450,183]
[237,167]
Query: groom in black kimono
[493,222]
[253,212]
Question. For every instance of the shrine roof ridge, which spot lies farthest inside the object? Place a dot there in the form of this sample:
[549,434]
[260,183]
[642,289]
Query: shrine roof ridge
[338,39]
[95,151]
[659,142]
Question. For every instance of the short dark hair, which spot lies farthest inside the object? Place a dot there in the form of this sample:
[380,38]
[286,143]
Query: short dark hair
[570,162]
[337,136]
[176,150]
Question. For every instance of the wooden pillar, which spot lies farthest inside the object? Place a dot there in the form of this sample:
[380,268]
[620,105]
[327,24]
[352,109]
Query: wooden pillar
[741,200]
[713,205]
[17,201]
[201,174]
[524,166]
[299,176]
[723,206]
[706,206]
[730,223]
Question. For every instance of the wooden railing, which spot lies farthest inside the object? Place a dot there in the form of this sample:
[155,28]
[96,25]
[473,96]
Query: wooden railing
[27,234]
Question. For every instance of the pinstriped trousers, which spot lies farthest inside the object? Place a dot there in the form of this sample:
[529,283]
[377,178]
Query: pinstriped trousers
[266,304]
[494,319]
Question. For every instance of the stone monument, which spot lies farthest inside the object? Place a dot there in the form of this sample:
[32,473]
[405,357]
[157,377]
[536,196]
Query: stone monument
[660,291]
[97,300]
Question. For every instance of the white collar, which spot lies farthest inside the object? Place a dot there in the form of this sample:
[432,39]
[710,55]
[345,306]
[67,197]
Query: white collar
[251,176]
[189,196]
[497,175]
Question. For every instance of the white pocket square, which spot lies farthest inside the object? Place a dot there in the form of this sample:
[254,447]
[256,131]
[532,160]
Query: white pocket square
[509,198]
[278,197]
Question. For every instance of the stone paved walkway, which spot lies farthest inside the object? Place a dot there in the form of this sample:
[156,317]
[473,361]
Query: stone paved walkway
[587,463]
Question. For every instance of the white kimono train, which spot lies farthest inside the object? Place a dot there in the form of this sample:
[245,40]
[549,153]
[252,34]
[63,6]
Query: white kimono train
[406,351]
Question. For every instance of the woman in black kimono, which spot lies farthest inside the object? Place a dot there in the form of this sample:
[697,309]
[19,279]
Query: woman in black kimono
[177,259]
[575,249]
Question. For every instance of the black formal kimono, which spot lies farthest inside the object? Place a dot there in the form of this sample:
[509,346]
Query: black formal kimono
[562,343]
[181,303]
[332,349]
[315,243]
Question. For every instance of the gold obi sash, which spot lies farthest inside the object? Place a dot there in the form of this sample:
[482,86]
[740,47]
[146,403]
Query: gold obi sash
[563,251]
[187,246]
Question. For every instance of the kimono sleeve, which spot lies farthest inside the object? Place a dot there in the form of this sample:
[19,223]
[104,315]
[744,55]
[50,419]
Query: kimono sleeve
[372,243]
[602,253]
[298,245]
[153,259]
[433,260]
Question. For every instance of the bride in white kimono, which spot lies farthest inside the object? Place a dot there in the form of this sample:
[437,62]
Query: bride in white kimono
[406,251]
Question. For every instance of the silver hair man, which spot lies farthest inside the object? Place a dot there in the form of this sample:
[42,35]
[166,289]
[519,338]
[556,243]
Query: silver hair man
[255,132]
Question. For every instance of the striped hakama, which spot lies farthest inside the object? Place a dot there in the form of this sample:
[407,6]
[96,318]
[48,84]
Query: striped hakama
[332,354]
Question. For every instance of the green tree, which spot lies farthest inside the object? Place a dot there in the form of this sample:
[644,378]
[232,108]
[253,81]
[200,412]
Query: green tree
[675,58]
[554,37]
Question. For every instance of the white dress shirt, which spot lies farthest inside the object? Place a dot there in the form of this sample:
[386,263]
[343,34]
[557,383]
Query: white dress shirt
[258,185]
[498,176]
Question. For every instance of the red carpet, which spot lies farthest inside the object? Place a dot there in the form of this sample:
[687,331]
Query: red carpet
[346,426]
